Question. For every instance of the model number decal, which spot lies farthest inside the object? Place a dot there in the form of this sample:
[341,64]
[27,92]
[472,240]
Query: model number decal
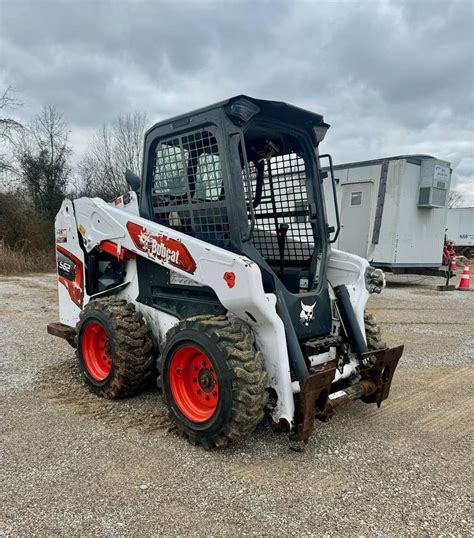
[65,267]
[162,247]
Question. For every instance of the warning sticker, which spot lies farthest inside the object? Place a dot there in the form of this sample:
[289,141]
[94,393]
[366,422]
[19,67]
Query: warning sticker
[61,235]
[180,280]
[337,394]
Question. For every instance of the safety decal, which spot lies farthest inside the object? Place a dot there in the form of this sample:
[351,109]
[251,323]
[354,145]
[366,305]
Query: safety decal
[229,277]
[61,235]
[71,275]
[161,247]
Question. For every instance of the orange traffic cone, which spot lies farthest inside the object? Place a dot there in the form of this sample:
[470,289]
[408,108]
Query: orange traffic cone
[453,264]
[464,283]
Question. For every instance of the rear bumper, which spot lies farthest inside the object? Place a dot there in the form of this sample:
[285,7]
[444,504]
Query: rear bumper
[63,331]
[315,399]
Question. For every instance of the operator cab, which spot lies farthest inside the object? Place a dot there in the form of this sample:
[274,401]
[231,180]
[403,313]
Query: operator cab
[244,175]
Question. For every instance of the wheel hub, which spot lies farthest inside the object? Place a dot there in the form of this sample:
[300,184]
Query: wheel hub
[206,381]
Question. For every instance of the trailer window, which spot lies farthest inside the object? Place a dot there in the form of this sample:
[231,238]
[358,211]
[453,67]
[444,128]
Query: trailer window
[356,198]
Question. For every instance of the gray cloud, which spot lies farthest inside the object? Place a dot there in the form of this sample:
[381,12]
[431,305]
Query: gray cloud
[390,76]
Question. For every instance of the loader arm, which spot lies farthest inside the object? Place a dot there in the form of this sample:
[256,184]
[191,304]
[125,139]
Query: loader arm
[235,279]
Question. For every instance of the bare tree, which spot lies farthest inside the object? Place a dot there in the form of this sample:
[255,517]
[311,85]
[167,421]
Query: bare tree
[8,126]
[455,199]
[111,151]
[42,155]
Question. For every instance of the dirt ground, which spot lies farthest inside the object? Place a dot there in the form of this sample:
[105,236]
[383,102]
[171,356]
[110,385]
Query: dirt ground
[74,464]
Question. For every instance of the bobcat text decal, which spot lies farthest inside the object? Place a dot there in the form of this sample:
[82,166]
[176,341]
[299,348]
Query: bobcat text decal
[162,247]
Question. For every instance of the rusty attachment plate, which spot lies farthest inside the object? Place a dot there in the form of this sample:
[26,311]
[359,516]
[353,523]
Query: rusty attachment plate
[63,331]
[380,375]
[312,399]
[373,387]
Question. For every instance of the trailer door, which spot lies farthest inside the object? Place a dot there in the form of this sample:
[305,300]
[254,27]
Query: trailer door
[355,217]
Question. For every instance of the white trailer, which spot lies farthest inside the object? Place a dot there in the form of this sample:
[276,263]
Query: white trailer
[393,211]
[460,230]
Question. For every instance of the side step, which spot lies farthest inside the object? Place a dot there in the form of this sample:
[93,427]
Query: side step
[63,331]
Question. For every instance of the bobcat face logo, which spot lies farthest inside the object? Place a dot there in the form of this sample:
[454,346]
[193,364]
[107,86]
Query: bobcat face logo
[307,313]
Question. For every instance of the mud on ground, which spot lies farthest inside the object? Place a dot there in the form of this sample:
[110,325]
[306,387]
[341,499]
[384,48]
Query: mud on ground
[76,464]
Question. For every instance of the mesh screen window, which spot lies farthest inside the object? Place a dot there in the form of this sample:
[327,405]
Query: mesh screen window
[283,201]
[188,190]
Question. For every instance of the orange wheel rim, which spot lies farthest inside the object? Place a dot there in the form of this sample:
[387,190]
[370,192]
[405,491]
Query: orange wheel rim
[193,383]
[95,351]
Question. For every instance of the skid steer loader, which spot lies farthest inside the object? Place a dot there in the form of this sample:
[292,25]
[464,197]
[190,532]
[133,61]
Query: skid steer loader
[215,275]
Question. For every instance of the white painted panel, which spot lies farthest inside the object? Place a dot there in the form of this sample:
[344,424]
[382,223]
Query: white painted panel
[460,226]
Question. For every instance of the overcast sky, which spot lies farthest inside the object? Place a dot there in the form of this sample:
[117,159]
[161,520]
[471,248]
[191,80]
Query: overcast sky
[390,77]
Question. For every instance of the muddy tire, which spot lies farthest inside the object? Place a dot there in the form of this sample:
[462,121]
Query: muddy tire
[213,380]
[373,333]
[114,348]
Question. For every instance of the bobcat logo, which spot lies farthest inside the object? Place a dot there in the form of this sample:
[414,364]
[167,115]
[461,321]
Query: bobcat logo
[306,314]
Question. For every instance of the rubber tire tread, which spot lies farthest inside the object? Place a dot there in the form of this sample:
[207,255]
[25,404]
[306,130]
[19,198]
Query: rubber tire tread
[236,341]
[133,354]
[373,333]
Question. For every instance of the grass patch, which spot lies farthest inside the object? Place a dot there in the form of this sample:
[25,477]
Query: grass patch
[21,261]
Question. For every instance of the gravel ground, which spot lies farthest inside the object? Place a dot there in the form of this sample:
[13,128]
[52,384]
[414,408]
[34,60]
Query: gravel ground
[74,464]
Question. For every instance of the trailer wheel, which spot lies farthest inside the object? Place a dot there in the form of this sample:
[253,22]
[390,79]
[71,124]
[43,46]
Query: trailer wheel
[213,379]
[373,333]
[468,252]
[114,348]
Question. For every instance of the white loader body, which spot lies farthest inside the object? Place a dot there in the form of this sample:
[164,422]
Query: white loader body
[236,280]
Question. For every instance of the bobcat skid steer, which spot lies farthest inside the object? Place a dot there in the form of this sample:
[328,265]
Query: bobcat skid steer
[215,275]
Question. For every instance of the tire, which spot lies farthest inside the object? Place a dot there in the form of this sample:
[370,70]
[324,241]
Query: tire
[468,253]
[373,333]
[213,380]
[114,348]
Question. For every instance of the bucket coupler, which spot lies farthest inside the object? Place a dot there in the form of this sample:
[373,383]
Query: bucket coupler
[316,401]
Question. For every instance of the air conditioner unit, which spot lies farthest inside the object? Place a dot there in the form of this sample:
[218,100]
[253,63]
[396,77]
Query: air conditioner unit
[435,178]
